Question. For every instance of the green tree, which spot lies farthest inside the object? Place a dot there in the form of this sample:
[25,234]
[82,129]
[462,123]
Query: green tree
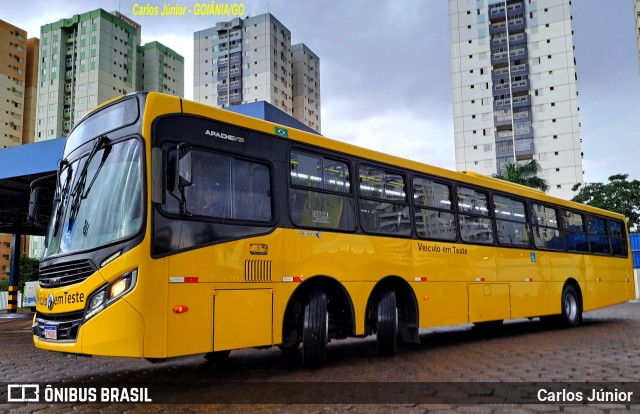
[618,195]
[524,174]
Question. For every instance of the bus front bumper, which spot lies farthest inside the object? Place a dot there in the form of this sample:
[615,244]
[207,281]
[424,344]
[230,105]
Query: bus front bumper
[116,331]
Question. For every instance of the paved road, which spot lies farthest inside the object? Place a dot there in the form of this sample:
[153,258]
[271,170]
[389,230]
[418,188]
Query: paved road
[605,349]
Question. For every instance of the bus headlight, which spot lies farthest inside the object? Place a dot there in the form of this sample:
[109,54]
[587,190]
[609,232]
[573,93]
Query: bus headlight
[110,293]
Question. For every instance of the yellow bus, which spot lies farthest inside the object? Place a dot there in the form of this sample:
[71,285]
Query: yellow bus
[181,229]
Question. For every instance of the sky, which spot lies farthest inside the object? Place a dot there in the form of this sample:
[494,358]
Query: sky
[385,69]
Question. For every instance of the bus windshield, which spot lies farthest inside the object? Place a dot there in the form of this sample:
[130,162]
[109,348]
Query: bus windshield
[98,199]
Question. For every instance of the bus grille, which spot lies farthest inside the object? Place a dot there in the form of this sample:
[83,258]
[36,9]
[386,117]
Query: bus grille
[64,274]
[67,324]
[257,271]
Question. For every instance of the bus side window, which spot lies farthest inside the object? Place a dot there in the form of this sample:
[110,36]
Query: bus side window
[383,204]
[544,221]
[618,238]
[474,221]
[598,235]
[433,216]
[574,235]
[511,221]
[320,196]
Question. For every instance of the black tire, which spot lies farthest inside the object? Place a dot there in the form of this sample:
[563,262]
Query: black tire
[387,324]
[571,307]
[315,330]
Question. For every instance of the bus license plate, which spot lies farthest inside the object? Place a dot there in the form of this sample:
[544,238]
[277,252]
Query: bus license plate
[50,332]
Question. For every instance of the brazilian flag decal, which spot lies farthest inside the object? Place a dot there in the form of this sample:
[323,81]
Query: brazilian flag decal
[282,132]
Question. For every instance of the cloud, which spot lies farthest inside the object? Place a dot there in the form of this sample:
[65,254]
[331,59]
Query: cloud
[399,132]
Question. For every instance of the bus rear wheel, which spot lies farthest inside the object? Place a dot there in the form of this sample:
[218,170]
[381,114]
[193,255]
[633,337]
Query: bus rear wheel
[571,307]
[315,330]
[387,324]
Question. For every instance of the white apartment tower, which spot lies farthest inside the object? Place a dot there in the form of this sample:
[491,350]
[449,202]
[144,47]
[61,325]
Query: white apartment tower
[90,58]
[514,88]
[252,59]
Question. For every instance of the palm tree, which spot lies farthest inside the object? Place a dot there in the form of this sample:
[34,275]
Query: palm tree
[524,174]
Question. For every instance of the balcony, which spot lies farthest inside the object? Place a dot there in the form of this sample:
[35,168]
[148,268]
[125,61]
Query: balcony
[518,39]
[501,73]
[496,28]
[235,48]
[520,86]
[223,75]
[524,148]
[496,13]
[235,97]
[502,136]
[517,25]
[521,101]
[223,87]
[502,120]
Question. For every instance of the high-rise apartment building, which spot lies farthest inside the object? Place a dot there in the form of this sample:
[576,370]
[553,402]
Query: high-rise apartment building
[92,57]
[160,69]
[252,59]
[514,88]
[31,91]
[306,86]
[13,66]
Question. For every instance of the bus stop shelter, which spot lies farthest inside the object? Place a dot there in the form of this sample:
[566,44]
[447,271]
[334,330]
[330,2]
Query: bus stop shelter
[19,166]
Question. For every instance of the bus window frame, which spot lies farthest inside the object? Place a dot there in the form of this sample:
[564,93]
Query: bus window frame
[588,217]
[407,203]
[625,237]
[564,232]
[414,207]
[168,146]
[491,216]
[334,156]
[527,218]
[530,203]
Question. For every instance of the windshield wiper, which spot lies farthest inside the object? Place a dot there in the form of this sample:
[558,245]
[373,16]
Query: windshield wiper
[78,193]
[61,194]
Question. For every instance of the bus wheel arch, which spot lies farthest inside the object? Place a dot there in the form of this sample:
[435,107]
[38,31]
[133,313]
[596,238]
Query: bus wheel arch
[388,290]
[339,307]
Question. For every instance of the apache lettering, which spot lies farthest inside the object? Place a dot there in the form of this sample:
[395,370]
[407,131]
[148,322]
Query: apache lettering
[223,136]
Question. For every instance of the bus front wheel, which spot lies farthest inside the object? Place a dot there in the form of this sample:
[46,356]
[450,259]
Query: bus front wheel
[387,324]
[315,330]
[571,308]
